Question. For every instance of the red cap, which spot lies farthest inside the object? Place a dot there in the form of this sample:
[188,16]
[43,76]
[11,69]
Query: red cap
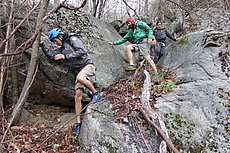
[129,19]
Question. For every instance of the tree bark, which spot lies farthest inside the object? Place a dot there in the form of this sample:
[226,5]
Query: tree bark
[152,116]
[32,67]
[8,9]
[14,74]
[5,61]
[13,69]
[146,8]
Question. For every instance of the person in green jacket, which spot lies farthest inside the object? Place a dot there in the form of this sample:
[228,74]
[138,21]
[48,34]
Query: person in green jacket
[142,36]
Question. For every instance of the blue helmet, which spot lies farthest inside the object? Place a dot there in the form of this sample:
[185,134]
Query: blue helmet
[54,33]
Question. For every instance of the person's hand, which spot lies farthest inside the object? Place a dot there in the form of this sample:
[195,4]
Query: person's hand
[177,39]
[59,57]
[111,43]
[150,41]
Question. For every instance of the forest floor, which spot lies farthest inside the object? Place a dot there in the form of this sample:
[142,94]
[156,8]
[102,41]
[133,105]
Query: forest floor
[48,135]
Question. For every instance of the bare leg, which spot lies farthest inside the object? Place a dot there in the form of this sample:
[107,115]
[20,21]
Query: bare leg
[150,61]
[82,79]
[78,106]
[129,54]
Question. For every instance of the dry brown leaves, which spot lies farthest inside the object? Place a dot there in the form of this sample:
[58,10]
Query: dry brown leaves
[124,96]
[28,138]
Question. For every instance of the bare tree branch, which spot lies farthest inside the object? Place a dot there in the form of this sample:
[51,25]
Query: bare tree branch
[226,4]
[180,6]
[74,8]
[16,28]
[131,8]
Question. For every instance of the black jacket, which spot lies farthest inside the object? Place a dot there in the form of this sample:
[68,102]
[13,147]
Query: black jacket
[161,34]
[76,56]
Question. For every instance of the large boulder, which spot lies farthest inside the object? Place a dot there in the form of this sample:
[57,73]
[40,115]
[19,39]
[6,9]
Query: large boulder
[198,108]
[101,134]
[52,85]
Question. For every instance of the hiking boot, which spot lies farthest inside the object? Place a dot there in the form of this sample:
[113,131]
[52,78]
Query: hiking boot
[78,128]
[130,68]
[95,97]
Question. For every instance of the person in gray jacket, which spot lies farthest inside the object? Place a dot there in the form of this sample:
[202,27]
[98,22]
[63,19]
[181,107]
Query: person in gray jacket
[73,53]
[161,34]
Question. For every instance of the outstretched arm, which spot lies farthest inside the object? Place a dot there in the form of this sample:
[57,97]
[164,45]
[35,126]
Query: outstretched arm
[124,39]
[170,36]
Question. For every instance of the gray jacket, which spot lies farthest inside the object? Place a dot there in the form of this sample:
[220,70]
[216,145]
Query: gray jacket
[161,34]
[76,56]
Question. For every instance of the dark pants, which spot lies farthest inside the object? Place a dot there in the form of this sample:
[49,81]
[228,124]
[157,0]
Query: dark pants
[157,51]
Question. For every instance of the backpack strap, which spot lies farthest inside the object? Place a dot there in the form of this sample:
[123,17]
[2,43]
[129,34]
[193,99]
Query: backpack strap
[155,31]
[140,26]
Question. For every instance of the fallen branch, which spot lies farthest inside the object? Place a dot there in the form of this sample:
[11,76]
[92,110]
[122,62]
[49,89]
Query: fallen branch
[162,134]
[148,113]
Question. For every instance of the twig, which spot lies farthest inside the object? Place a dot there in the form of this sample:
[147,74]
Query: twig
[205,10]
[16,28]
[74,8]
[131,8]
[47,138]
[19,105]
[162,134]
[149,148]
[136,71]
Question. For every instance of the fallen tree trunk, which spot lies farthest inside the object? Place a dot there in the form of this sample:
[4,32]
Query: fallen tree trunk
[151,115]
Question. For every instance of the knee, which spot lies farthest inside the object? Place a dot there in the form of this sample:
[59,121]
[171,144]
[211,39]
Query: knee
[128,48]
[78,95]
[80,79]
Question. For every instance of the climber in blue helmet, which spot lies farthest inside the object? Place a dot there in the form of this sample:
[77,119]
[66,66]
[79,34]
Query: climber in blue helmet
[73,53]
[54,33]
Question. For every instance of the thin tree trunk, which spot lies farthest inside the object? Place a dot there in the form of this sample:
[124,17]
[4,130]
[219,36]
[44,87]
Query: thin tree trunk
[5,62]
[32,68]
[33,62]
[152,116]
[146,6]
[14,74]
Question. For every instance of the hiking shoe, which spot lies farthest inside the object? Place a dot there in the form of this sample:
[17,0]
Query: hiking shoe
[95,97]
[130,68]
[78,128]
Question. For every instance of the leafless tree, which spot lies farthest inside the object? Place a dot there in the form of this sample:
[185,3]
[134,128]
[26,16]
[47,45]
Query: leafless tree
[33,41]
[8,16]
[98,7]
[226,4]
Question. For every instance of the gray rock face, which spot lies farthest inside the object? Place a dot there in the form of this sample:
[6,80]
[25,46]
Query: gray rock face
[215,17]
[196,111]
[101,134]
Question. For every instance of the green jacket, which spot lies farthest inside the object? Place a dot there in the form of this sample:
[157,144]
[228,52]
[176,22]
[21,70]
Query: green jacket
[141,30]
